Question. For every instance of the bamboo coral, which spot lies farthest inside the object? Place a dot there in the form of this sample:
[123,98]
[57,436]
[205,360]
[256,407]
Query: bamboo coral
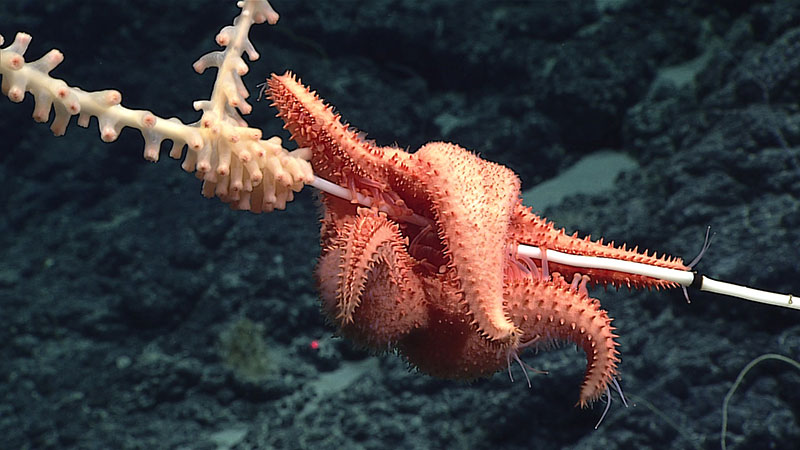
[231,158]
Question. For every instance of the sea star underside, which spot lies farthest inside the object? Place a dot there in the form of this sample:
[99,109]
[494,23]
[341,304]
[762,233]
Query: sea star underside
[430,268]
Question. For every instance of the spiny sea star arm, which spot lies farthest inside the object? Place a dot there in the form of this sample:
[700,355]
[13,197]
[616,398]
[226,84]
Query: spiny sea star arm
[366,282]
[553,311]
[531,229]
[473,200]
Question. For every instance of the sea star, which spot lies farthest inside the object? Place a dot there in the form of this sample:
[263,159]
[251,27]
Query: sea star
[430,268]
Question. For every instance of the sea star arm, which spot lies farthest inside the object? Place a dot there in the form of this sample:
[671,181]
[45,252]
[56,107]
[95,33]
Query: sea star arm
[366,282]
[473,200]
[551,310]
[531,229]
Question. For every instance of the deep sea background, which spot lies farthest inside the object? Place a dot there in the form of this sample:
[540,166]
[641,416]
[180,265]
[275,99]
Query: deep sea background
[134,313]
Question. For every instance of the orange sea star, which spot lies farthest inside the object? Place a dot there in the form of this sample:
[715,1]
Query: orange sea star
[447,289]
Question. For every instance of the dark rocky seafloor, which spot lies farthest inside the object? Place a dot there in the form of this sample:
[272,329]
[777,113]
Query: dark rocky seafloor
[134,313]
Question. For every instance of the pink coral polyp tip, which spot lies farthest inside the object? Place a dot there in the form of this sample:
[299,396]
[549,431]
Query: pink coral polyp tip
[113,98]
[16,94]
[108,135]
[151,154]
[16,62]
[196,143]
[149,120]
[223,39]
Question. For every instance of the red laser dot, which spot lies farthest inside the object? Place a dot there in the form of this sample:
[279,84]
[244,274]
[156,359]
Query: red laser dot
[314,345]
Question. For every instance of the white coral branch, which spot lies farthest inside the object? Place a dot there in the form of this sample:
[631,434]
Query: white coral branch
[236,164]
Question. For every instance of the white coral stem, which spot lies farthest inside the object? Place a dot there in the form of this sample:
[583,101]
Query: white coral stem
[232,158]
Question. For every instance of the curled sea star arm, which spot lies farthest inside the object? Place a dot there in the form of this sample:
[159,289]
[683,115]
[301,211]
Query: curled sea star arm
[366,280]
